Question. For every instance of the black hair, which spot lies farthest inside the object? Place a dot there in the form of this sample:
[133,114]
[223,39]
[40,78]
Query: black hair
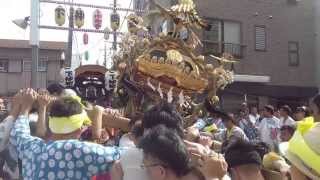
[287,109]
[165,145]
[165,114]
[212,108]
[289,128]
[55,88]
[65,107]
[137,116]
[228,117]
[303,109]
[242,152]
[269,108]
[137,129]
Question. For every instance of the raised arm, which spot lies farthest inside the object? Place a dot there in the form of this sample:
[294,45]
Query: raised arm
[97,122]
[20,134]
[111,118]
[44,100]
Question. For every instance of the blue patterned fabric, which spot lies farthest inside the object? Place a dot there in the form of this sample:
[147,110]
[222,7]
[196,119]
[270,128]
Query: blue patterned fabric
[66,159]
[249,129]
[201,123]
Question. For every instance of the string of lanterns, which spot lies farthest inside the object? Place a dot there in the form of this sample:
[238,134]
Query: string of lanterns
[79,17]
[93,6]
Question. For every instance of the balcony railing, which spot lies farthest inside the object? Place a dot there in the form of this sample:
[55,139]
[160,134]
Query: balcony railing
[218,48]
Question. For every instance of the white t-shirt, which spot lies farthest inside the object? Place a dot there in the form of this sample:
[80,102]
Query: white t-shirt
[288,122]
[253,118]
[125,141]
[269,131]
[131,161]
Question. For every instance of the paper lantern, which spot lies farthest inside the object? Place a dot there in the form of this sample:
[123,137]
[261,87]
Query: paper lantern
[60,15]
[79,17]
[106,34]
[97,19]
[86,55]
[115,21]
[85,38]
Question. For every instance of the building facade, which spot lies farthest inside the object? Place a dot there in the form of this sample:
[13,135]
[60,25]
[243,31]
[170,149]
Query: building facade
[274,42]
[15,64]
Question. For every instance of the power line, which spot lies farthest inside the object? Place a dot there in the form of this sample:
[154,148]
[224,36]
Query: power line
[80,30]
[125,15]
[93,6]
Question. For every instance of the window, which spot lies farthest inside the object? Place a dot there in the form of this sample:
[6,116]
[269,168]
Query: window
[223,37]
[293,53]
[14,66]
[214,32]
[232,35]
[260,38]
[141,5]
[42,64]
[27,65]
[3,65]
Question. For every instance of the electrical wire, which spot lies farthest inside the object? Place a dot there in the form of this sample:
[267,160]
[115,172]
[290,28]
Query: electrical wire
[74,35]
[125,15]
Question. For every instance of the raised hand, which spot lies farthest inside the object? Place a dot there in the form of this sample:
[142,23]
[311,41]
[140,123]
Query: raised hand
[213,166]
[192,134]
[196,149]
[207,160]
[15,104]
[29,96]
[44,99]
[206,141]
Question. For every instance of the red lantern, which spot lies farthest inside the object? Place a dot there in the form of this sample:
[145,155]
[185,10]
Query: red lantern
[97,19]
[85,38]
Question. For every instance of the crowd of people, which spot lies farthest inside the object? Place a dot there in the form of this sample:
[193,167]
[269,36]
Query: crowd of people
[53,134]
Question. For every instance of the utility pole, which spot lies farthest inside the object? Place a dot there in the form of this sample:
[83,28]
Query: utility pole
[105,54]
[34,41]
[317,41]
[114,44]
[70,38]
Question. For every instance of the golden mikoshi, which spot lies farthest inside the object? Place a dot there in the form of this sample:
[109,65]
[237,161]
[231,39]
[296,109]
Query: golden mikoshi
[166,66]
